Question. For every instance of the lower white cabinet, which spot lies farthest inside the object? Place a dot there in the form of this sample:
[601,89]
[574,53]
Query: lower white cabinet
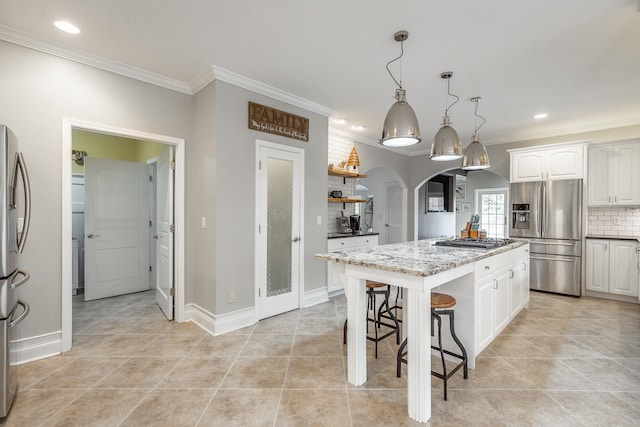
[612,266]
[334,285]
[502,291]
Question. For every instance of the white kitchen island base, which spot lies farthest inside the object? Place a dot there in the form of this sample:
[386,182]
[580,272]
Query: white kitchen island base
[419,268]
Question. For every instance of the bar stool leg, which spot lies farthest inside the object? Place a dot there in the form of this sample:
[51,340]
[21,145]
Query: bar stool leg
[400,358]
[440,348]
[459,344]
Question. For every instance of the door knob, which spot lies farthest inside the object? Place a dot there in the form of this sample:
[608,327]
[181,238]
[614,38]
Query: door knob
[155,237]
[91,235]
[296,239]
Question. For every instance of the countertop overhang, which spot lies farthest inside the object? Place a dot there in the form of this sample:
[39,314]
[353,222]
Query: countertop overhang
[341,235]
[417,258]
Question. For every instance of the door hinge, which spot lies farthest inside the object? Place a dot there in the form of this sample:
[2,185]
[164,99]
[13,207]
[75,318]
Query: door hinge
[172,228]
[150,223]
[150,268]
[259,229]
[259,164]
[172,292]
[259,292]
[150,178]
[172,165]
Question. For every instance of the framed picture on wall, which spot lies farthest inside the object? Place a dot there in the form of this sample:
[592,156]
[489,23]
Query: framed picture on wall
[457,208]
[461,190]
[466,207]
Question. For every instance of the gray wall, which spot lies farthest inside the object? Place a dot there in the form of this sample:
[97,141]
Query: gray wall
[38,90]
[225,159]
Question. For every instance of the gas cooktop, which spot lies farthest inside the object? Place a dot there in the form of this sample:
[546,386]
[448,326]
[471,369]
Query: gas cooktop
[475,243]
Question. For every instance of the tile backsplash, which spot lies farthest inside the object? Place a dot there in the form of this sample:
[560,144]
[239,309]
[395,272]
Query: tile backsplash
[613,222]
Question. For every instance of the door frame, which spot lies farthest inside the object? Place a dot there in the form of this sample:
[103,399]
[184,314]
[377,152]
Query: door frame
[258,249]
[68,125]
[402,210]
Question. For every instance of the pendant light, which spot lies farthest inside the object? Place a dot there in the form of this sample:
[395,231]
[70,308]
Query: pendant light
[475,156]
[446,143]
[401,125]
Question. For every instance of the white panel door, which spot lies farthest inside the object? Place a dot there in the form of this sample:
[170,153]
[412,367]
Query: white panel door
[597,265]
[623,269]
[279,184]
[164,233]
[116,228]
[393,213]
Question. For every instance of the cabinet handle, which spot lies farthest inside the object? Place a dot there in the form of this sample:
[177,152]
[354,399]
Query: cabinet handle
[486,267]
[511,274]
[495,283]
[524,266]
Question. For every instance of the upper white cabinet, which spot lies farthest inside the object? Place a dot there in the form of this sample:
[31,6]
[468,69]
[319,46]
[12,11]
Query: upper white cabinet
[614,174]
[540,164]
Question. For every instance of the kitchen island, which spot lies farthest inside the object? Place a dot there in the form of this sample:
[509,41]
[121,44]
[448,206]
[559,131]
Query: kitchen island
[490,286]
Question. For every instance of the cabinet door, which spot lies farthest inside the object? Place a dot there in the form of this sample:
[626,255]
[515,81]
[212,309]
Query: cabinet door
[515,290]
[623,268]
[501,300]
[565,163]
[524,282]
[600,183]
[484,313]
[626,174]
[527,166]
[597,265]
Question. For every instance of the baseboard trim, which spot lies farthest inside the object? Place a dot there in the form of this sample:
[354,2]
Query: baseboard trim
[335,291]
[219,324]
[613,297]
[35,348]
[315,296]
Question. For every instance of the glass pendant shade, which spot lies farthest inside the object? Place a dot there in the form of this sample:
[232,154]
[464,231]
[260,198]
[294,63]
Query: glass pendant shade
[475,156]
[446,144]
[401,124]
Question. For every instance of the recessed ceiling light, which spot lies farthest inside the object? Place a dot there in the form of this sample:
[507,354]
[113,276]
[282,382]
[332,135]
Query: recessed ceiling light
[67,27]
[340,121]
[357,127]
[541,116]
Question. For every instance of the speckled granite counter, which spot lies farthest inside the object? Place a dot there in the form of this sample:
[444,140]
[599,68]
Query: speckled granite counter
[418,267]
[419,258]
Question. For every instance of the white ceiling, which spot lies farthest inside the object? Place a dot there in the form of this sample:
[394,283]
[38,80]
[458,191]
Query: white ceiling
[577,60]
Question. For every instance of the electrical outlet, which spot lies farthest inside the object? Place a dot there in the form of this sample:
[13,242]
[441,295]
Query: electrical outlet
[616,220]
[232,295]
[319,220]
[203,222]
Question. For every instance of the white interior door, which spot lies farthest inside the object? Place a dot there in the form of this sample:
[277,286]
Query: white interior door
[279,184]
[164,233]
[116,228]
[393,213]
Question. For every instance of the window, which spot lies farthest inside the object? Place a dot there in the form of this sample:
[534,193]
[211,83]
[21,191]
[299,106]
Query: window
[493,212]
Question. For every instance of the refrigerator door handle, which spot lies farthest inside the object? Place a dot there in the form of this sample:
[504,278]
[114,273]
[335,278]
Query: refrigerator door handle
[13,322]
[20,165]
[25,278]
[551,259]
[543,216]
[541,242]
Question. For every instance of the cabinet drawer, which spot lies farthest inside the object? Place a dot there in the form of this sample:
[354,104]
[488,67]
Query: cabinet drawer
[351,242]
[485,267]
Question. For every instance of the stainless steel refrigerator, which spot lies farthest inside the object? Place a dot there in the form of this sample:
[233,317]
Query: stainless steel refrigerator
[15,213]
[549,215]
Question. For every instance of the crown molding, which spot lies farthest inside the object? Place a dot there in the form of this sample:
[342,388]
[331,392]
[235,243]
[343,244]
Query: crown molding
[12,36]
[216,73]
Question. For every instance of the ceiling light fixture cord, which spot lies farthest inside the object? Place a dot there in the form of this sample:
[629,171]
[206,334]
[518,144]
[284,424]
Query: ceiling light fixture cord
[394,60]
[475,112]
[446,111]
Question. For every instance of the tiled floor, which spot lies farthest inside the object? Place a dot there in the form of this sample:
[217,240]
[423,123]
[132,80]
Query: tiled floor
[564,361]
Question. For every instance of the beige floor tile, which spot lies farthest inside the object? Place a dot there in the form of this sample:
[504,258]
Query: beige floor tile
[550,374]
[98,407]
[82,372]
[170,408]
[197,372]
[30,373]
[381,374]
[379,408]
[561,347]
[609,346]
[285,325]
[268,345]
[139,372]
[313,408]
[463,407]
[32,407]
[242,408]
[316,373]
[317,345]
[515,346]
[318,326]
[497,374]
[528,408]
[220,346]
[173,345]
[256,372]
[597,408]
[606,374]
[630,397]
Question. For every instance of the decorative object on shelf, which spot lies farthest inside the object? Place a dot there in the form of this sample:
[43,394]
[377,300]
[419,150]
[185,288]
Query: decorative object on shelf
[446,143]
[277,122]
[400,125]
[475,156]
[353,161]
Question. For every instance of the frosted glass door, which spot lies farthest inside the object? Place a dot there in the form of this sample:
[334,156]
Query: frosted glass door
[279,178]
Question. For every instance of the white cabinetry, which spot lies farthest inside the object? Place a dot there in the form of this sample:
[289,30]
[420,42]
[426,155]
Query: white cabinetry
[502,291]
[614,174]
[612,266]
[564,162]
[334,285]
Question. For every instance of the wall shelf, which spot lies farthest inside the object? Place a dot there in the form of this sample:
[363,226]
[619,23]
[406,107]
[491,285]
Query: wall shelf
[344,200]
[345,175]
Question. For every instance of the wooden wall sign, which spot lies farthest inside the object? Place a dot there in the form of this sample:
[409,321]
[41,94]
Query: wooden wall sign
[277,122]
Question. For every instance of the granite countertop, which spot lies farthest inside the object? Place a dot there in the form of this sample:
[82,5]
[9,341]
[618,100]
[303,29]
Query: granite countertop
[341,235]
[418,258]
[601,236]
